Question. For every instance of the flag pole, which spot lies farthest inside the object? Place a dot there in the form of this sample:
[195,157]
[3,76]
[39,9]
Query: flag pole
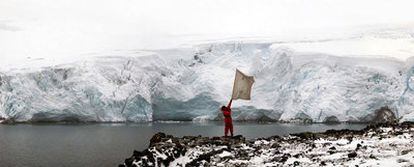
[234,84]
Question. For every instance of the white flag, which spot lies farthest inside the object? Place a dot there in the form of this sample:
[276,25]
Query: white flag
[242,86]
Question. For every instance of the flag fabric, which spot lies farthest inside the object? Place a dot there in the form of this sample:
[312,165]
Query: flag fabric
[242,86]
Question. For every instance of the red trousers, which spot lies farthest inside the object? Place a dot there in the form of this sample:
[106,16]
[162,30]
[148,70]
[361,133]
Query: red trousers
[228,127]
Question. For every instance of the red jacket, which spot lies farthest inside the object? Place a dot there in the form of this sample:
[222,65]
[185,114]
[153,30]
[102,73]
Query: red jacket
[227,114]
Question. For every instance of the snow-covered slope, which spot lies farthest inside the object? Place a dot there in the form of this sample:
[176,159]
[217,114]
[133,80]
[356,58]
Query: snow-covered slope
[192,83]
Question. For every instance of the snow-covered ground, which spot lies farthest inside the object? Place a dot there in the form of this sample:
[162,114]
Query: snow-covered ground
[389,145]
[191,83]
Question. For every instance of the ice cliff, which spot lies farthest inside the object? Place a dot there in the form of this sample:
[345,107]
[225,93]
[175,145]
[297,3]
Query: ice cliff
[192,83]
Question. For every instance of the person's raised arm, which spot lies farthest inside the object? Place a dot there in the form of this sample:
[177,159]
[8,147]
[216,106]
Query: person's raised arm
[229,105]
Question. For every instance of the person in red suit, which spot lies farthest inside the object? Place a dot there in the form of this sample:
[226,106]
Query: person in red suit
[228,122]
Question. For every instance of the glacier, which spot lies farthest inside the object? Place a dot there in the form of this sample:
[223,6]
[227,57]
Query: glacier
[191,83]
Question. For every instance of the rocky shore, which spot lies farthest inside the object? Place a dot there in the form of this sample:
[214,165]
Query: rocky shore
[386,144]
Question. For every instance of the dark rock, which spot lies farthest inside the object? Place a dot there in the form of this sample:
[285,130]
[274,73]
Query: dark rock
[137,154]
[350,138]
[305,135]
[342,132]
[204,157]
[326,144]
[215,138]
[238,137]
[358,147]
[332,150]
[275,138]
[403,152]
[398,133]
[161,161]
[156,138]
[242,154]
[331,120]
[296,163]
[401,160]
[129,161]
[277,152]
[407,125]
[323,163]
[168,160]
[149,155]
[352,155]
[285,157]
[382,115]
[275,145]
[7,120]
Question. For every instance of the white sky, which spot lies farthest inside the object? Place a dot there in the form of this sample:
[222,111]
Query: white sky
[55,29]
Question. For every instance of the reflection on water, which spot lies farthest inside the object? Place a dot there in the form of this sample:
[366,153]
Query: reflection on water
[110,144]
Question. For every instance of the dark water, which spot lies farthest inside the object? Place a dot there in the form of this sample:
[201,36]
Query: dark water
[110,144]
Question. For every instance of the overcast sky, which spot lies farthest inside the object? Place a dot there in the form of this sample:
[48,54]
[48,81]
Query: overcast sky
[50,28]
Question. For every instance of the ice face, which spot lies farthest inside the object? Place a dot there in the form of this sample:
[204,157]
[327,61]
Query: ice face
[192,83]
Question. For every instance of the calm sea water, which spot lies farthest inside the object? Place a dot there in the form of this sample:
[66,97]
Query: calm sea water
[110,144]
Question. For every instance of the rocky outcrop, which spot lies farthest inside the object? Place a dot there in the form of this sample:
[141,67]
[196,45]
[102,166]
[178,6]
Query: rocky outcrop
[384,114]
[331,120]
[6,121]
[381,115]
[333,147]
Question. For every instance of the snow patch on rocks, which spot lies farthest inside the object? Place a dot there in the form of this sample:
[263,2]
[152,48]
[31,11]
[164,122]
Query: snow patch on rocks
[376,145]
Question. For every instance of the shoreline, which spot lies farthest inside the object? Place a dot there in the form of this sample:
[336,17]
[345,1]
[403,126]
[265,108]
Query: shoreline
[377,144]
[6,122]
